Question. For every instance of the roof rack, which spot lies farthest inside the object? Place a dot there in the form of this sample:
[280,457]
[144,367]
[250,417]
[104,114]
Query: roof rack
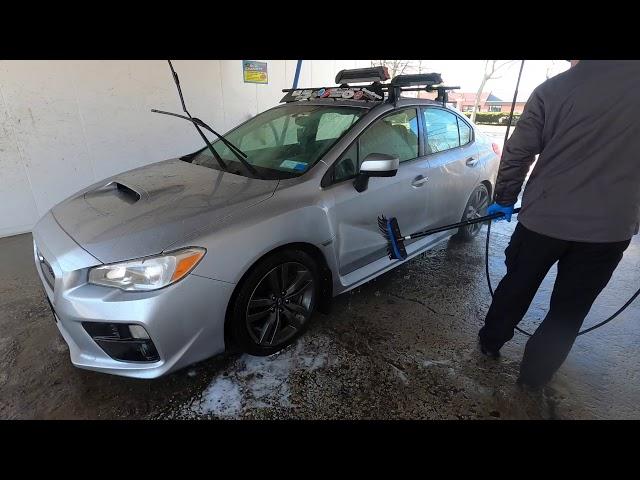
[432,82]
[376,91]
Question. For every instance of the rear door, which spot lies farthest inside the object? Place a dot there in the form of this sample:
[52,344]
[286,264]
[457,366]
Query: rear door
[358,240]
[453,158]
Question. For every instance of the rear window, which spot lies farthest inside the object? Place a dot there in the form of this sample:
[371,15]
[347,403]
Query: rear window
[441,128]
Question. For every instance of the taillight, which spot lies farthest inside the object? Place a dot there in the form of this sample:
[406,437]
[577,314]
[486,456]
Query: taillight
[496,149]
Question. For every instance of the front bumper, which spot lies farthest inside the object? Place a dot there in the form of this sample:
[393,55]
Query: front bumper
[185,320]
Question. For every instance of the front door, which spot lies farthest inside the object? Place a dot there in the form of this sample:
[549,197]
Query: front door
[358,240]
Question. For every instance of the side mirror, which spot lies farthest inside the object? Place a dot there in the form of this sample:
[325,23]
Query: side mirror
[375,165]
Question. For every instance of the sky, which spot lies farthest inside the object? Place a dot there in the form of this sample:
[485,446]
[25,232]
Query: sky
[467,74]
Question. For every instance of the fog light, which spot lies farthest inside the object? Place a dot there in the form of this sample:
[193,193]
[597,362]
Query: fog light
[138,331]
[124,342]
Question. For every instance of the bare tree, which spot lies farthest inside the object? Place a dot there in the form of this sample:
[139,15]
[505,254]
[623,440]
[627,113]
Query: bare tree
[399,67]
[550,67]
[491,70]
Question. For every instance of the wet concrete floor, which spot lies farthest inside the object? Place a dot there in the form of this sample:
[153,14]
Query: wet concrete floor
[400,347]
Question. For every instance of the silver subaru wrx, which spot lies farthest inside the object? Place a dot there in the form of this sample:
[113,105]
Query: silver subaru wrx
[165,265]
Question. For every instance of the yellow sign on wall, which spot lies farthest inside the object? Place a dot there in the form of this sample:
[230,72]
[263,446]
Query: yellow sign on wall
[255,72]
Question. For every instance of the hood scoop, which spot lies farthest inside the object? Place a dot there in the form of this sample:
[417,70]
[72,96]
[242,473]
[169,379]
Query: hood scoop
[114,194]
[128,194]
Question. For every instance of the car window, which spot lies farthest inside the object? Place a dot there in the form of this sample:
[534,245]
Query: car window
[283,142]
[333,124]
[465,132]
[441,129]
[347,166]
[269,135]
[395,134]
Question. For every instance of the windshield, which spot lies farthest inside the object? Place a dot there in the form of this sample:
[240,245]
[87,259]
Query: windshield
[283,142]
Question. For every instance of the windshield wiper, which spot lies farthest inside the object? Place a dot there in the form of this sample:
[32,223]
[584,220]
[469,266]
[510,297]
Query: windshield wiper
[197,123]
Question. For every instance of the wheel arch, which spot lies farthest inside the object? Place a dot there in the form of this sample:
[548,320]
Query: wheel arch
[489,186]
[326,286]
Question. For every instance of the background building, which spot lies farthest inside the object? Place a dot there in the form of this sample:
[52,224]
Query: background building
[489,102]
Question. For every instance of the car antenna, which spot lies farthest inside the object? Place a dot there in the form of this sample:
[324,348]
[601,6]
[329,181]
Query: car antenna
[197,123]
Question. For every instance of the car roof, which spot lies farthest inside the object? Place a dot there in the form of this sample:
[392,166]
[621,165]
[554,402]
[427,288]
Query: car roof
[402,101]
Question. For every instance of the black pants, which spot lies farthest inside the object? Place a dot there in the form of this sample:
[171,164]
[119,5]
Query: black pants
[584,269]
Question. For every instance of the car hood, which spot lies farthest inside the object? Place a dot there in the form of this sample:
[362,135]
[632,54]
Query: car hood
[143,211]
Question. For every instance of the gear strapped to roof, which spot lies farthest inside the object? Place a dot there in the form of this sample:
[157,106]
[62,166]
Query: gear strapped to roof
[361,75]
[376,91]
[347,93]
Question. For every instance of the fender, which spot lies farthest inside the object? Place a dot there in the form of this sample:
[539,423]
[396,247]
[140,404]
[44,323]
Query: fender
[254,232]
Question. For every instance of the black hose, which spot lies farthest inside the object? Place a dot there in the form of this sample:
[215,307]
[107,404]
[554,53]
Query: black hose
[587,330]
[513,103]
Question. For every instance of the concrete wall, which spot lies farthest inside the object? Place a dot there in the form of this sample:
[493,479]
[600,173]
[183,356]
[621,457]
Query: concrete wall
[67,124]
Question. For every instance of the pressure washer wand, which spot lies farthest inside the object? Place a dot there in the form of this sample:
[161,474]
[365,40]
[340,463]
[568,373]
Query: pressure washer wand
[464,223]
[390,230]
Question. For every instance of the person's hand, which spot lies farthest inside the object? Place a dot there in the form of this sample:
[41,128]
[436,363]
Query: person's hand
[497,208]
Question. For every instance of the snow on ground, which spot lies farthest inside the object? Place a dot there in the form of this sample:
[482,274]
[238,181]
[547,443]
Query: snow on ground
[257,382]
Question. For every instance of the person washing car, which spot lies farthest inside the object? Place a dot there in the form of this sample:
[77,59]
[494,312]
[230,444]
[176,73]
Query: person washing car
[580,208]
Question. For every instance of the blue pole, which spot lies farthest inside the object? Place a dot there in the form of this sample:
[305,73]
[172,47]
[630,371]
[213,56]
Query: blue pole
[297,76]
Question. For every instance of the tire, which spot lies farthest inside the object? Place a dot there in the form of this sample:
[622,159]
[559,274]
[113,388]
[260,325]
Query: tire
[263,321]
[476,207]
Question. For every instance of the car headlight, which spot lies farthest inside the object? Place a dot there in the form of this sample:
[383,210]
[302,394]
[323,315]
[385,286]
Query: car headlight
[149,273]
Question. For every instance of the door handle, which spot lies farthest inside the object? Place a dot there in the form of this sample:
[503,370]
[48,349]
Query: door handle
[471,161]
[419,181]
